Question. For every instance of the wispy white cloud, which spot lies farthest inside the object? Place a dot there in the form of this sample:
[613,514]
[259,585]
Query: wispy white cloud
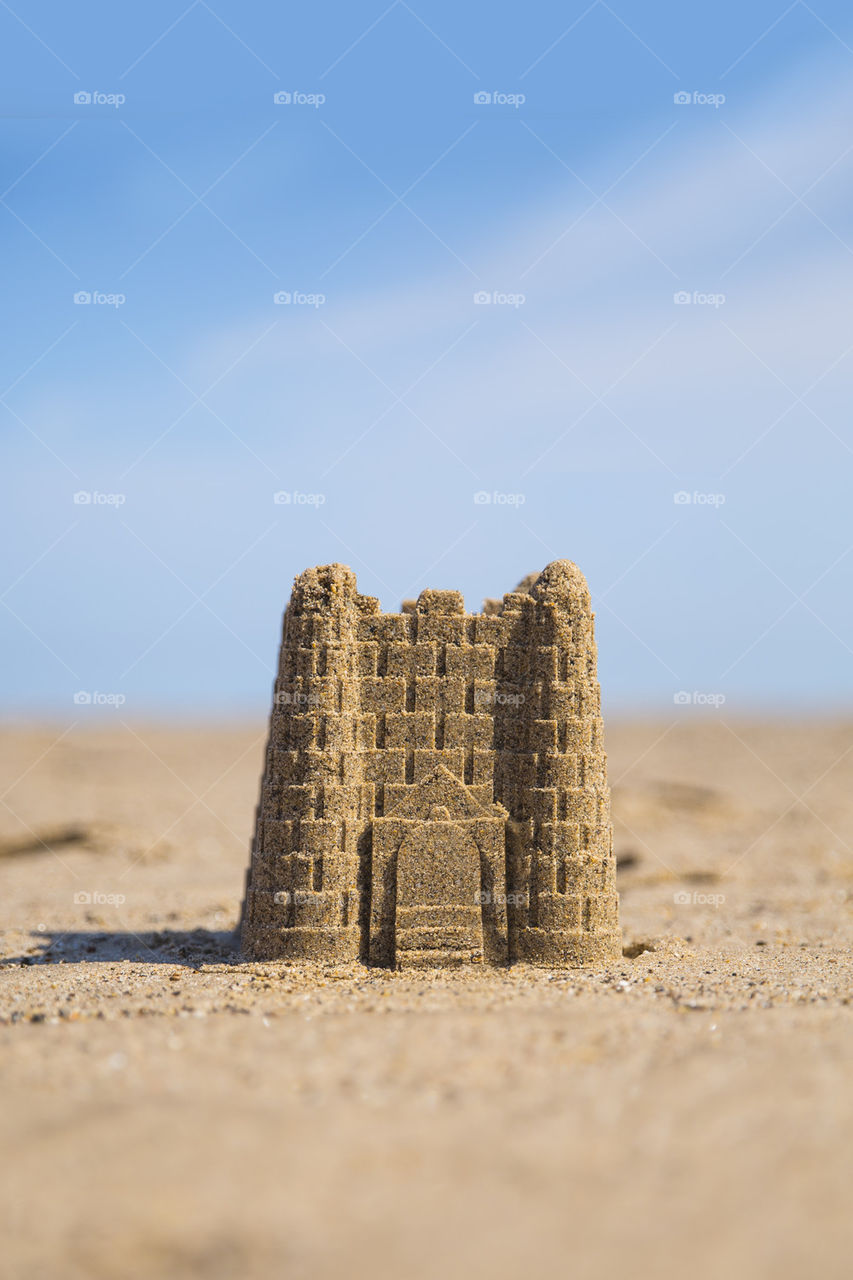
[600,297]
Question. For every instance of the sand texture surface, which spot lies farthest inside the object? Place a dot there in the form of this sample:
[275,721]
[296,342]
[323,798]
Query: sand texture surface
[170,1110]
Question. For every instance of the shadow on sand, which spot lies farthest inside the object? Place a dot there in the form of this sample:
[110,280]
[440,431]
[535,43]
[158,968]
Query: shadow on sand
[192,948]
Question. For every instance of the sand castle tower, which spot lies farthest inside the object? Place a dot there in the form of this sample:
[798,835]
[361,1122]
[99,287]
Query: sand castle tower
[435,787]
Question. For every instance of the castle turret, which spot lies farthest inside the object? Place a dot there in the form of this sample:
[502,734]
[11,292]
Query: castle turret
[303,900]
[568,854]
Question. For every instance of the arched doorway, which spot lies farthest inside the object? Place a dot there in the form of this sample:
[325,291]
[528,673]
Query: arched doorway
[438,917]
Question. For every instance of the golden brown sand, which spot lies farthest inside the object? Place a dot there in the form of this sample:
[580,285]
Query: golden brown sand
[172,1111]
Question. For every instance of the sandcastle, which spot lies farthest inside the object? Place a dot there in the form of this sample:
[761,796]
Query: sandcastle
[435,788]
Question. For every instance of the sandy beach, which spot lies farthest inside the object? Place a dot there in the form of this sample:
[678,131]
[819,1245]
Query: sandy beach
[173,1110]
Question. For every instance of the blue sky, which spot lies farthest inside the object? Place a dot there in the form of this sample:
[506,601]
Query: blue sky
[148,166]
